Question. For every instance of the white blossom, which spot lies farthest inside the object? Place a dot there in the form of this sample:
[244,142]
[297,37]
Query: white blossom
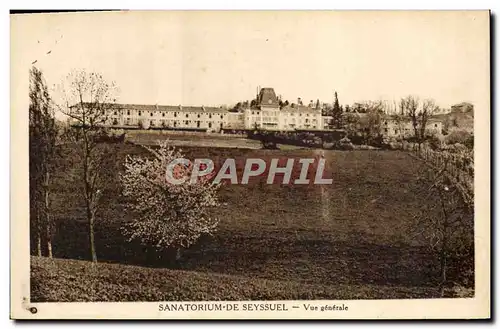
[166,215]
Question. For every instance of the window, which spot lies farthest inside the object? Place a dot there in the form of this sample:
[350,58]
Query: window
[209,125]
[198,122]
[435,125]
[198,116]
[151,114]
[175,114]
[210,116]
[115,113]
[163,114]
[128,112]
[140,113]
[187,115]
[385,129]
[221,116]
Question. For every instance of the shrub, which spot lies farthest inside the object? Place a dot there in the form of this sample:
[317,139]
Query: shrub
[435,142]
[345,144]
[469,142]
[457,136]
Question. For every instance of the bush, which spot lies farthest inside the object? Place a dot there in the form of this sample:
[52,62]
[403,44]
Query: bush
[458,136]
[456,148]
[469,142]
[345,144]
[435,142]
[328,145]
[390,143]
[365,147]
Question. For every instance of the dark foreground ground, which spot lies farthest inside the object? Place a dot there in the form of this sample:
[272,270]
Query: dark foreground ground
[56,280]
[354,239]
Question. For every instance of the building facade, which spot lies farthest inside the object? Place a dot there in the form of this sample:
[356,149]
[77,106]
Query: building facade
[403,128]
[266,114]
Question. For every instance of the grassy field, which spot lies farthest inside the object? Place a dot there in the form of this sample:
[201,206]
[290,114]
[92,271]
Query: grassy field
[192,139]
[56,280]
[351,239]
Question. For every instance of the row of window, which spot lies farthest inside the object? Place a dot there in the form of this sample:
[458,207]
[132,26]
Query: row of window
[176,114]
[173,123]
[285,121]
[257,113]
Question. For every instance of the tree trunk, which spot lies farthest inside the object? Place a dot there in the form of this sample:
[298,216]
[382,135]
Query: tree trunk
[35,227]
[38,239]
[91,239]
[47,216]
[49,241]
[444,245]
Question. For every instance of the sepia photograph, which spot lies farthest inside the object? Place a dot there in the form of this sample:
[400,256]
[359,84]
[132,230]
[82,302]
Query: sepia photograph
[250,164]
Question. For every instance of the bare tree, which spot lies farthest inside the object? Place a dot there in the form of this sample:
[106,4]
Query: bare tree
[448,227]
[429,108]
[418,113]
[89,99]
[43,133]
[409,107]
[371,121]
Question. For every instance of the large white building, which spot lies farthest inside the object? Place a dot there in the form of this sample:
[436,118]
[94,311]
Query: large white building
[266,114]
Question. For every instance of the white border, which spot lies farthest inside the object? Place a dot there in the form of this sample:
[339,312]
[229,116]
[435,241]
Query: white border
[478,4]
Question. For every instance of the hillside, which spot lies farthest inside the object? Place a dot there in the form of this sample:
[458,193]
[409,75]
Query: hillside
[61,280]
[360,233]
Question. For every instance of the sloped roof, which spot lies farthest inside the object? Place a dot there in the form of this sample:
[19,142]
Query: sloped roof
[267,96]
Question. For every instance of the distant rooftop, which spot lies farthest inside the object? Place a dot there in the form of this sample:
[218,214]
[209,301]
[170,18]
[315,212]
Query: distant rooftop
[178,108]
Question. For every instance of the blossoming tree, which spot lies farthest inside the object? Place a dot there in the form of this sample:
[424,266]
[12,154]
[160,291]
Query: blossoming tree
[167,215]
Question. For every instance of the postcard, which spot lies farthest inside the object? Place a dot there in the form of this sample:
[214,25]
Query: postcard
[250,165]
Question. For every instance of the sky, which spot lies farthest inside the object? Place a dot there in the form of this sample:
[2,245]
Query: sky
[214,58]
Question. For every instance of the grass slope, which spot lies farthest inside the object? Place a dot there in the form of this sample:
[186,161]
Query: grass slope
[357,232]
[62,280]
